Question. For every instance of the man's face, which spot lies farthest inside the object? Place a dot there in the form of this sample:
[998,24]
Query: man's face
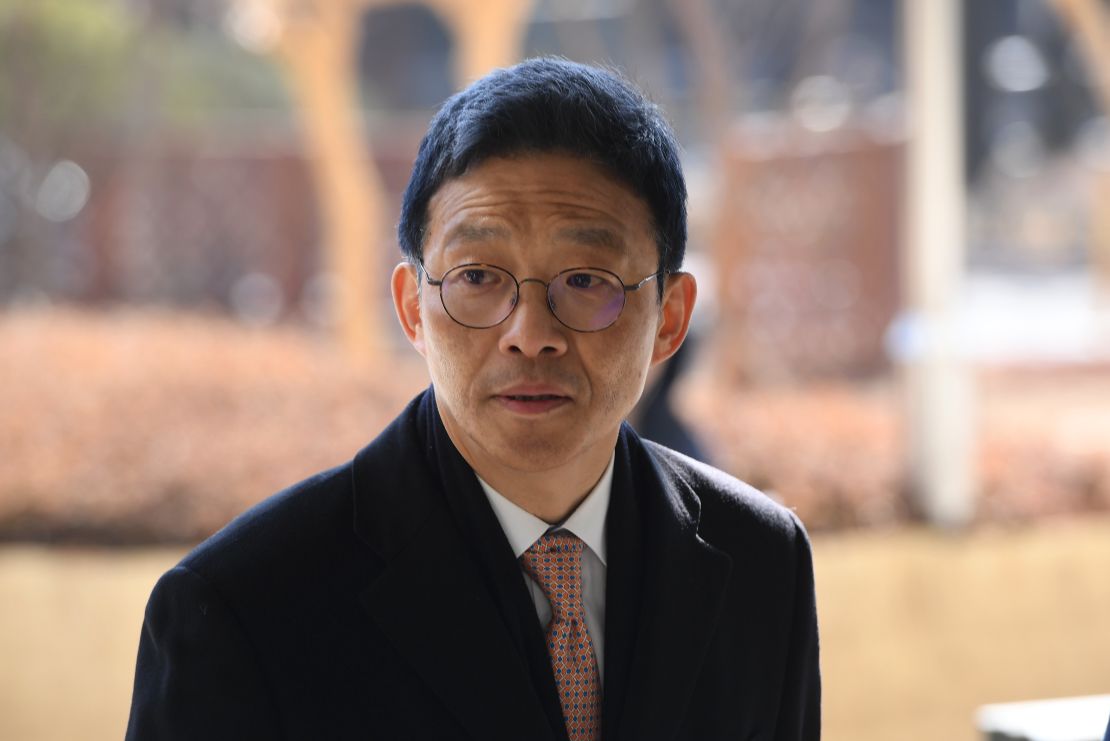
[531,394]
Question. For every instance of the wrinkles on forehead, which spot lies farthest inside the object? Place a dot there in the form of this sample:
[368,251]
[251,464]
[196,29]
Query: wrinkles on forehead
[509,209]
[469,233]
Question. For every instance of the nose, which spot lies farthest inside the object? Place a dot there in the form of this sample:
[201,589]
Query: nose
[532,330]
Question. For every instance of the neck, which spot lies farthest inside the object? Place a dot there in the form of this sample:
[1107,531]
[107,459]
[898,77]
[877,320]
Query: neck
[547,495]
[551,493]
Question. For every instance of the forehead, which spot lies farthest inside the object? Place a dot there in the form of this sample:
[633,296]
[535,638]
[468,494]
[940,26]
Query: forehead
[541,197]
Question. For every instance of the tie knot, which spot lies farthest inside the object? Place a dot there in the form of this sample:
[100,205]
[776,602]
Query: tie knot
[555,563]
[558,542]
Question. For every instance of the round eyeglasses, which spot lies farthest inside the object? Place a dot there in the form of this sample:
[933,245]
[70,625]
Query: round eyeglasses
[480,296]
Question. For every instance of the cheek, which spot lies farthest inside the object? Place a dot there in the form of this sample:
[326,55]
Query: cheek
[620,369]
[452,355]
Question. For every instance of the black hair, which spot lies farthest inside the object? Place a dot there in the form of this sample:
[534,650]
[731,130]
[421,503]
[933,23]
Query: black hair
[550,104]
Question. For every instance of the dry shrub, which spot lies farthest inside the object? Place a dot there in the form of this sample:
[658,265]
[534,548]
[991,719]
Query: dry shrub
[140,426]
[836,452]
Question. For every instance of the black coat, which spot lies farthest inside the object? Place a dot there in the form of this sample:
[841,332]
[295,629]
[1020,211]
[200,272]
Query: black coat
[381,600]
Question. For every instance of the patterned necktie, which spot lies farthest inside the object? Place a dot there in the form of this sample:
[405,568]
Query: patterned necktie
[555,563]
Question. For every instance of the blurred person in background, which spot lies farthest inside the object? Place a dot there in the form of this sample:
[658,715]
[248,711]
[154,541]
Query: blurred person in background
[508,559]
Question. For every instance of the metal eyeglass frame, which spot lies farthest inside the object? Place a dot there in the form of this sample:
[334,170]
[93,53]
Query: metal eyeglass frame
[628,287]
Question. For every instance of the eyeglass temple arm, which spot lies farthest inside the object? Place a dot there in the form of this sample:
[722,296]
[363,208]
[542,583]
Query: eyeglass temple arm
[428,277]
[638,286]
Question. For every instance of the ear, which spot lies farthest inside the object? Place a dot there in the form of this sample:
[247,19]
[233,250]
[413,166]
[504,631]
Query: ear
[679,296]
[405,285]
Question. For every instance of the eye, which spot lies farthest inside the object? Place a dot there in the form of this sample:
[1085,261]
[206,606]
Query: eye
[478,276]
[584,281]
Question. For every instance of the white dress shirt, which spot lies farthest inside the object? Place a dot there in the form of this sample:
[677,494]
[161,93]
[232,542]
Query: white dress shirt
[522,528]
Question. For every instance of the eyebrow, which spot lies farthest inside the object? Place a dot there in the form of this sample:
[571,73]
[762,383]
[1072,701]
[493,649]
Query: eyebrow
[475,233]
[591,236]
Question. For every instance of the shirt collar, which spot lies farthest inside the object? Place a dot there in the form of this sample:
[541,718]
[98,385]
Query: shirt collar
[523,528]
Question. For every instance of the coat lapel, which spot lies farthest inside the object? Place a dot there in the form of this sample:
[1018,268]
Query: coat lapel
[683,586]
[434,607]
[623,588]
[430,600]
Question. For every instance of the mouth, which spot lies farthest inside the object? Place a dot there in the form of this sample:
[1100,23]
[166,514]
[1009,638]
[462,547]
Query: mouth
[531,404]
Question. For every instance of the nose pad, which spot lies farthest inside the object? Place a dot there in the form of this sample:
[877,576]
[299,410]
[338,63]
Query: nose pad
[542,285]
[533,335]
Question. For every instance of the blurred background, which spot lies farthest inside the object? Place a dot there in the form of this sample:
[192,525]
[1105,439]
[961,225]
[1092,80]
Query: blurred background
[900,223]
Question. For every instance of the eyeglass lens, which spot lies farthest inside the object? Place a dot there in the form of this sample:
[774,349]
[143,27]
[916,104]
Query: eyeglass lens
[482,296]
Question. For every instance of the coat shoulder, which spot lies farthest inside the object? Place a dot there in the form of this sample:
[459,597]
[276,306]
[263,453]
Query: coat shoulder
[724,501]
[282,528]
[317,528]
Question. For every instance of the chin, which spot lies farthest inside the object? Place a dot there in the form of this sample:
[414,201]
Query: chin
[534,455]
[532,450]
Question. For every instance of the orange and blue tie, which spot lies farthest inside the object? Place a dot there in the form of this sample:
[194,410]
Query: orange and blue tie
[555,563]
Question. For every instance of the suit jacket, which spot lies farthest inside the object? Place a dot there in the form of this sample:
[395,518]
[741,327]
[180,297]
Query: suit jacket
[381,600]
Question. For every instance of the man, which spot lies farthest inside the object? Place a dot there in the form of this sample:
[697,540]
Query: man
[507,560]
